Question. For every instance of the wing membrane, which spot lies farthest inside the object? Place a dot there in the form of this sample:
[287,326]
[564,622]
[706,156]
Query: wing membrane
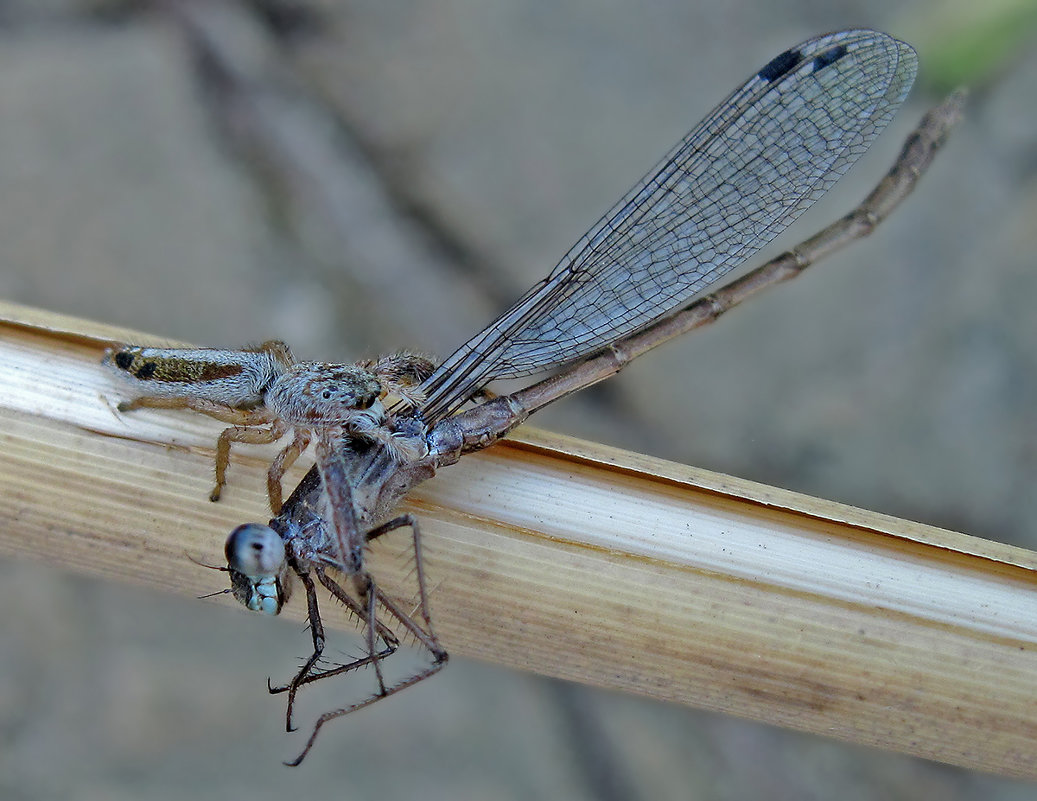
[737,180]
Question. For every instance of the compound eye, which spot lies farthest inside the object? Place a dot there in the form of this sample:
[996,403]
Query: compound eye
[255,550]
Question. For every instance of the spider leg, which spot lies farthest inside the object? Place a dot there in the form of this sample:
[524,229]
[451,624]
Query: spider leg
[285,459]
[246,434]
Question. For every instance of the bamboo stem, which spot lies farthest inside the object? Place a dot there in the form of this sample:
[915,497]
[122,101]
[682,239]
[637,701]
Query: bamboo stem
[572,560]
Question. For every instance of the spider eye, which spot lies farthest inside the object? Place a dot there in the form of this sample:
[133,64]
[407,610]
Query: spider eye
[326,394]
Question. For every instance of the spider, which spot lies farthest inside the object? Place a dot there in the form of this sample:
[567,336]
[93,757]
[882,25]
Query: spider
[264,393]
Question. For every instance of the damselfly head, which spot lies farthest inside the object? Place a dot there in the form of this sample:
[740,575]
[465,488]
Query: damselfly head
[258,569]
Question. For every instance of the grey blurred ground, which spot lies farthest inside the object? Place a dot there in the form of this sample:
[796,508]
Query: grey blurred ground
[388,157]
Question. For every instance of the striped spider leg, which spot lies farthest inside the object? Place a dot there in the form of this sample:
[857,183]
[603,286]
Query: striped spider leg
[264,394]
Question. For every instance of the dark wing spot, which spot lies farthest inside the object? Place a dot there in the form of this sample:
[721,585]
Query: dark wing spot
[146,371]
[829,57]
[780,65]
[123,359]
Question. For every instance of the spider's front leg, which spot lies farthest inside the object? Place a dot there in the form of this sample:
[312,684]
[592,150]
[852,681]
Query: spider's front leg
[400,375]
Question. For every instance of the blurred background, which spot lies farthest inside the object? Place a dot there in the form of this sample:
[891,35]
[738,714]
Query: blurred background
[356,176]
